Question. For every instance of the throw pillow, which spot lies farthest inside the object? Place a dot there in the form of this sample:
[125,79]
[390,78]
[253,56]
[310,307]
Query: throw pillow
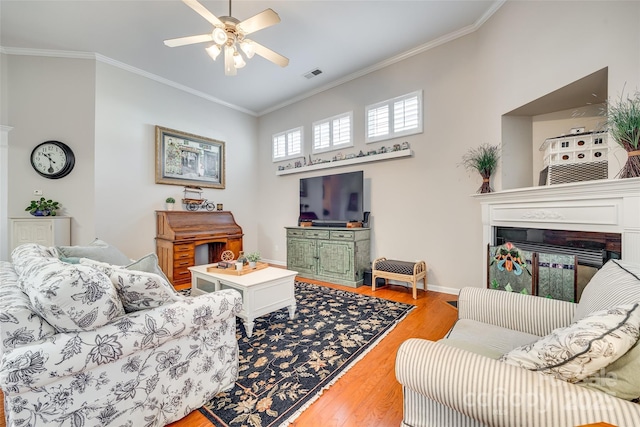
[581,349]
[616,283]
[619,379]
[71,297]
[139,290]
[148,263]
[97,250]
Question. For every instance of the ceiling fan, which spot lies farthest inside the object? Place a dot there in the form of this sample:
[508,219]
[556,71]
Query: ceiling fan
[229,34]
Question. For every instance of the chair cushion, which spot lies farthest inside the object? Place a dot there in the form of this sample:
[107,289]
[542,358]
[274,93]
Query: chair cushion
[394,266]
[493,338]
[71,297]
[97,250]
[616,283]
[582,348]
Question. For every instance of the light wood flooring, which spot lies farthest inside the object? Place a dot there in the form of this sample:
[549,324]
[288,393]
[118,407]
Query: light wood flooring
[368,395]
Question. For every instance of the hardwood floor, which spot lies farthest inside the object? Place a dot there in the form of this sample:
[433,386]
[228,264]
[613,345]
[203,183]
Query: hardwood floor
[368,395]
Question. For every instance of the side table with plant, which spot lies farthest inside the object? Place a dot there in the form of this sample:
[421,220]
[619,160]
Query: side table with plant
[483,159]
[43,207]
[623,119]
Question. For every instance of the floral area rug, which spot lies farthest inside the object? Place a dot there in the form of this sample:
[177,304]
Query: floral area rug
[286,364]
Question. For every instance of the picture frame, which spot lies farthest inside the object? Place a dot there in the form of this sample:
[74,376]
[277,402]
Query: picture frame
[187,159]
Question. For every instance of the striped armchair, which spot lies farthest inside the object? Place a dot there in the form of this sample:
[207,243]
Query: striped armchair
[457,381]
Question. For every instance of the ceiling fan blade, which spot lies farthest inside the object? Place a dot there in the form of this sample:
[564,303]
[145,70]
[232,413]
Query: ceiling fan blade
[272,56]
[264,19]
[182,41]
[204,12]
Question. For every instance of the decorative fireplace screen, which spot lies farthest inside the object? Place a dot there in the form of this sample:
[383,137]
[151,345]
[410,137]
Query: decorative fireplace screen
[543,274]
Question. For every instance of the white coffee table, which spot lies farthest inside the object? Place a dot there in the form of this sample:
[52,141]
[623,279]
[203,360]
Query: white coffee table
[263,291]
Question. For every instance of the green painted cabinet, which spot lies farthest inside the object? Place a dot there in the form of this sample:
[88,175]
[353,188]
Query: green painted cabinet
[336,255]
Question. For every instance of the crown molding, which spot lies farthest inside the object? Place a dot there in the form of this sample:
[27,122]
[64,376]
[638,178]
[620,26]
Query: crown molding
[106,60]
[401,57]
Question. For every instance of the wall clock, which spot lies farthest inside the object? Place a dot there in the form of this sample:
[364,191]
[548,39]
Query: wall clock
[52,159]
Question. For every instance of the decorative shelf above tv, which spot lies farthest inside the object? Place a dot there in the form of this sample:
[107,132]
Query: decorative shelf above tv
[347,162]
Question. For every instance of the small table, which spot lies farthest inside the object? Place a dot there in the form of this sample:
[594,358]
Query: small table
[263,291]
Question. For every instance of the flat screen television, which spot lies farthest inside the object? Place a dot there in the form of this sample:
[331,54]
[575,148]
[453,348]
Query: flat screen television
[332,199]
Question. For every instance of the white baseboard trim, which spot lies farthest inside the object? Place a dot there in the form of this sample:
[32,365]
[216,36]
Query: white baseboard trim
[273,262]
[443,289]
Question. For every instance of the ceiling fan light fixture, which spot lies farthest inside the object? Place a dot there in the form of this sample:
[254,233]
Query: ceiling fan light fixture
[248,48]
[229,65]
[213,51]
[238,61]
[219,36]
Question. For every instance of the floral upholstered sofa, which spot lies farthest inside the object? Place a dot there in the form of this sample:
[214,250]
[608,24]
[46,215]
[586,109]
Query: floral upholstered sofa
[90,343]
[526,361]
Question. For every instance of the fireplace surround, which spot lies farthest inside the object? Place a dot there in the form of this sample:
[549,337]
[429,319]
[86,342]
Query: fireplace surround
[602,206]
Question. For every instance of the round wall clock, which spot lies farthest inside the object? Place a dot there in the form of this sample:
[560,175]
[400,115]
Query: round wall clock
[53,159]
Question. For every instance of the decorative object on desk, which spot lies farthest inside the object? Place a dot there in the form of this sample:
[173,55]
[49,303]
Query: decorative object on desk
[219,207]
[43,207]
[187,159]
[277,378]
[484,160]
[170,202]
[623,119]
[253,258]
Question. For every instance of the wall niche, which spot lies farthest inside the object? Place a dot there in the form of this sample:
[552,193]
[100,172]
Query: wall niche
[525,129]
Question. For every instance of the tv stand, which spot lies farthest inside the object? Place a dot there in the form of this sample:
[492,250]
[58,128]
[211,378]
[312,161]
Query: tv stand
[331,254]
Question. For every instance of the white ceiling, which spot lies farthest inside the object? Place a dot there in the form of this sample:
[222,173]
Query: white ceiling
[344,39]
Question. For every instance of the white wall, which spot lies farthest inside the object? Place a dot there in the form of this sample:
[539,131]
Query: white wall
[420,206]
[108,117]
[128,107]
[52,99]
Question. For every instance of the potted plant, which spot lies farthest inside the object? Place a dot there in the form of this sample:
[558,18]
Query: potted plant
[253,258]
[623,120]
[170,201]
[43,207]
[484,160]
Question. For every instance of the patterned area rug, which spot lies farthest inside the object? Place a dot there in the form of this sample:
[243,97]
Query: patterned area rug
[286,364]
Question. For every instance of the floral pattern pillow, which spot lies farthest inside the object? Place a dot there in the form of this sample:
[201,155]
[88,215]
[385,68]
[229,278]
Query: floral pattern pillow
[138,290]
[583,348]
[18,324]
[71,297]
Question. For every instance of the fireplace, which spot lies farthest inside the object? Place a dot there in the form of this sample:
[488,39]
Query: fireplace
[600,219]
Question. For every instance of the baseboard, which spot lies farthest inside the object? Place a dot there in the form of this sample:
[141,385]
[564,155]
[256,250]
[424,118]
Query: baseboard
[274,262]
[443,289]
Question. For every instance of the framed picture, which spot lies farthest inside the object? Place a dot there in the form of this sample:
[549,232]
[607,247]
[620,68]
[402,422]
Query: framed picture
[186,159]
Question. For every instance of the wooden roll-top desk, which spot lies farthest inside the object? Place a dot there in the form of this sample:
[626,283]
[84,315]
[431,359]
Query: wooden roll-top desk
[179,232]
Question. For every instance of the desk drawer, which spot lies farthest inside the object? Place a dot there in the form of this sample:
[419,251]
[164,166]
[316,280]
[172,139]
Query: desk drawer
[181,273]
[342,235]
[182,263]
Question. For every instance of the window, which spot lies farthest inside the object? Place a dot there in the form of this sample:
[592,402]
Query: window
[395,117]
[333,133]
[287,144]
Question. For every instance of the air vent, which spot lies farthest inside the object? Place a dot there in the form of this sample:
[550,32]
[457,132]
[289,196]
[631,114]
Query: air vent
[313,73]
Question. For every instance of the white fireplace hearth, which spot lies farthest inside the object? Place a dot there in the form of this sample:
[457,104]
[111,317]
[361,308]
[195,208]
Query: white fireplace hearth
[607,206]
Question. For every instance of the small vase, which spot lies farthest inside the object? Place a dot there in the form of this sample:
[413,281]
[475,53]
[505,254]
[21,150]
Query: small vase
[252,264]
[170,206]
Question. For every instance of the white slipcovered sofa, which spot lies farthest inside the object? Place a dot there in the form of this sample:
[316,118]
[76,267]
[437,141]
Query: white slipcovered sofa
[520,360]
[94,344]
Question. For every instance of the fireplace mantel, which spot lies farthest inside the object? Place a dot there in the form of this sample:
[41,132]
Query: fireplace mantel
[610,205]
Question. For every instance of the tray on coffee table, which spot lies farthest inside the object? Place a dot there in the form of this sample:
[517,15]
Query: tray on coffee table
[232,270]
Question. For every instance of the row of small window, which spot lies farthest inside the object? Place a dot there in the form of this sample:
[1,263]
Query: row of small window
[388,119]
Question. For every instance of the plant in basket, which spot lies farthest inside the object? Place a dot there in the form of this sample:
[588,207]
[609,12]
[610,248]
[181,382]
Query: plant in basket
[483,159]
[623,120]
